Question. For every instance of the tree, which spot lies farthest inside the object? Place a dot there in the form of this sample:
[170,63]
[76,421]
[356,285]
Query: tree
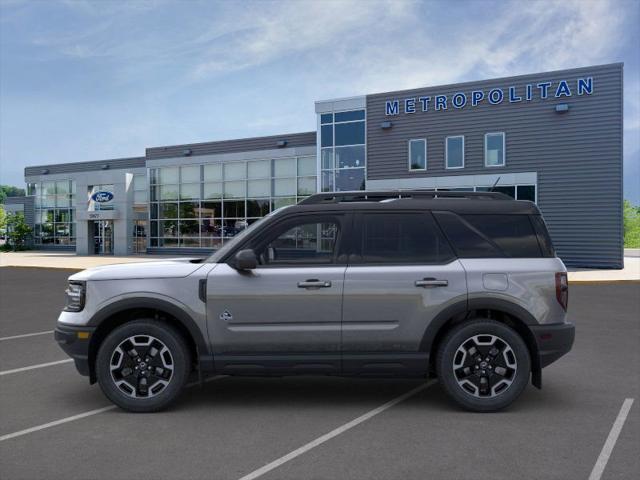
[631,225]
[17,230]
[3,218]
[10,191]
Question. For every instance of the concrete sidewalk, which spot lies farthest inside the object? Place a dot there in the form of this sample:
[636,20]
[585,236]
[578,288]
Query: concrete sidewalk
[49,259]
[69,260]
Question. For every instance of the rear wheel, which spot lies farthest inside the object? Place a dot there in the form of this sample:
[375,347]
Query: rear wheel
[143,365]
[483,365]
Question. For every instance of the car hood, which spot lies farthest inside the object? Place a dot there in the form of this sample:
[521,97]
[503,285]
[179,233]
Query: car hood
[171,268]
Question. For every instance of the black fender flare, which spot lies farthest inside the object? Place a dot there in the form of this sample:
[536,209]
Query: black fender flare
[203,352]
[463,307]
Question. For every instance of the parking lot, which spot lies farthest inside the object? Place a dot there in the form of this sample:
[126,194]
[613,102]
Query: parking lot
[55,425]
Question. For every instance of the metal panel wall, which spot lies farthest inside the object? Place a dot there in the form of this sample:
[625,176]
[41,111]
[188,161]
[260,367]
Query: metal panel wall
[577,155]
[230,146]
[97,165]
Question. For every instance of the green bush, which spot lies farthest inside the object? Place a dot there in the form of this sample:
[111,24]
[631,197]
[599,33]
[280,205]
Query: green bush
[17,231]
[631,225]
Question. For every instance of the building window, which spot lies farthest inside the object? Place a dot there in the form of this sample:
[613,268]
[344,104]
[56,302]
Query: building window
[342,150]
[519,192]
[140,189]
[54,212]
[204,205]
[454,152]
[494,146]
[418,154]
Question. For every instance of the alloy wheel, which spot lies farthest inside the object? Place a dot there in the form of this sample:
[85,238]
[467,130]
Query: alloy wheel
[141,366]
[485,366]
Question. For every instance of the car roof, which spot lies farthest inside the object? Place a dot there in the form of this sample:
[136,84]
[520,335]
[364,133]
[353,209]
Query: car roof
[429,200]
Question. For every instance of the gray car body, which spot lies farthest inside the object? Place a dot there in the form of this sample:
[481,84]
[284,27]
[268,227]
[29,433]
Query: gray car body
[371,320]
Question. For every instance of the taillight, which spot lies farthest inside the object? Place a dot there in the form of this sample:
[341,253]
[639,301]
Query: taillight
[562,289]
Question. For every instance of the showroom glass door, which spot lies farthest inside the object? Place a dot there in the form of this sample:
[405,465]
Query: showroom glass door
[103,237]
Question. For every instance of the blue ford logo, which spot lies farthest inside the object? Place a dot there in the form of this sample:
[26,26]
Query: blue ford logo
[102,197]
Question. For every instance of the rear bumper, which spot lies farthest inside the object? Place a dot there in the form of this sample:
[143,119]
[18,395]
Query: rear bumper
[75,345]
[553,341]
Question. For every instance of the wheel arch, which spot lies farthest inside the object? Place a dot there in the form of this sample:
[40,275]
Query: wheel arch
[126,310]
[506,312]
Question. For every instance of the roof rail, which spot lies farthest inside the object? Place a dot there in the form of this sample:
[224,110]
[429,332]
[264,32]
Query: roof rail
[377,196]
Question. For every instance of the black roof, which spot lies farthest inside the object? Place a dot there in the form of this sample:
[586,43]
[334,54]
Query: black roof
[459,202]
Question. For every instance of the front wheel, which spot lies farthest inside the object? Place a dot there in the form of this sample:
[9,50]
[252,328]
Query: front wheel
[142,365]
[483,365]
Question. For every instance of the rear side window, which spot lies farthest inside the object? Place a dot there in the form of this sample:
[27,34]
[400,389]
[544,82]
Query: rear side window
[485,236]
[468,241]
[394,238]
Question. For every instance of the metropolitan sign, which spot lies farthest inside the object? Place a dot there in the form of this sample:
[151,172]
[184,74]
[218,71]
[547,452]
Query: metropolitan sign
[494,96]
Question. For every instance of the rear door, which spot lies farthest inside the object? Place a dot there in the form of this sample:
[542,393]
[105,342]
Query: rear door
[402,275]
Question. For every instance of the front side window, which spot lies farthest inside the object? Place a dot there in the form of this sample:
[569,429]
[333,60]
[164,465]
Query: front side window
[454,152]
[305,242]
[494,150]
[418,154]
[392,238]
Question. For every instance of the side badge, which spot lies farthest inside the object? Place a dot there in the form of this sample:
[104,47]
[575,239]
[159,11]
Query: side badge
[226,316]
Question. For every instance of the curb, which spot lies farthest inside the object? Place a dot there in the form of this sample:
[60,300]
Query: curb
[605,282]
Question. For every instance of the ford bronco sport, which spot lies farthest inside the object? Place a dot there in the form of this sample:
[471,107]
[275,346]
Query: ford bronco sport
[462,286]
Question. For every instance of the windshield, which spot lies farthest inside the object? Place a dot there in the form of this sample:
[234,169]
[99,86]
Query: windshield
[232,243]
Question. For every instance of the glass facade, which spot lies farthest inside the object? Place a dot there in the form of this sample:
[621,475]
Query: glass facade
[54,212]
[343,151]
[202,205]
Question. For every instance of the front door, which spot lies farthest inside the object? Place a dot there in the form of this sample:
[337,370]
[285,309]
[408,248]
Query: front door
[103,237]
[286,314]
[401,276]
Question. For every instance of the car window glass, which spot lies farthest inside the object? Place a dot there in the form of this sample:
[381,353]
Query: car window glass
[514,234]
[403,238]
[307,242]
[467,241]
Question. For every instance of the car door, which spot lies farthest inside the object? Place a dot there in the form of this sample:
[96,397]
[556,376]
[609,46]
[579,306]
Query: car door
[402,274]
[285,315]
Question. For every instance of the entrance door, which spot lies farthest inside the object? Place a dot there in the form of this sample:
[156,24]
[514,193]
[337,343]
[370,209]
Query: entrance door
[103,237]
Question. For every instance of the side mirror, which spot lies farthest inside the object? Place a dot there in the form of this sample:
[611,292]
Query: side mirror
[246,260]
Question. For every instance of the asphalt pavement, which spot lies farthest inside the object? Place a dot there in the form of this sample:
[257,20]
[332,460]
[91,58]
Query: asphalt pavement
[53,424]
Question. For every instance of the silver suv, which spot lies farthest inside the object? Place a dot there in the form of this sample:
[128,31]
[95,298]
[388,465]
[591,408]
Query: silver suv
[462,286]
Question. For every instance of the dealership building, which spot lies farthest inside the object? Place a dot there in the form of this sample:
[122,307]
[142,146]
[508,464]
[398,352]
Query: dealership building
[553,138]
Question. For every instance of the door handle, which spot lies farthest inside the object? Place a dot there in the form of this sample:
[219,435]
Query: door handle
[431,283]
[313,283]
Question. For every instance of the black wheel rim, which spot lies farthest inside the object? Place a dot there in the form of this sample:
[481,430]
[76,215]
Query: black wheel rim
[141,366]
[485,366]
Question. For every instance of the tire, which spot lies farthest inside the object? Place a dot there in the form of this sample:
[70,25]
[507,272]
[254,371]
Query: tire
[148,346]
[461,369]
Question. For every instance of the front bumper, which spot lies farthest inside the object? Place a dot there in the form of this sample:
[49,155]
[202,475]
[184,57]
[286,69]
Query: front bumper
[553,341]
[75,343]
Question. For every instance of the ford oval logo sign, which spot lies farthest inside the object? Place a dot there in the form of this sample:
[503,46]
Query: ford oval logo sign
[102,197]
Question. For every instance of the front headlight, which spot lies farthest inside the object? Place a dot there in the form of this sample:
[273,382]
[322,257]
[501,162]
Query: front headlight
[75,297]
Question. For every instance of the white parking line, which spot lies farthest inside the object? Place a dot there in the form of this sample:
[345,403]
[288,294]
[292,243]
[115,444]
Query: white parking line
[81,415]
[56,422]
[32,367]
[601,463]
[334,433]
[24,335]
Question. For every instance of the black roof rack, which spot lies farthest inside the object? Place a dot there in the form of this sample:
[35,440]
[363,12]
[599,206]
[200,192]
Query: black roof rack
[378,196]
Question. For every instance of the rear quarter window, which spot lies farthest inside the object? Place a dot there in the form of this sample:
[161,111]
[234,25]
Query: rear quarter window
[514,234]
[486,236]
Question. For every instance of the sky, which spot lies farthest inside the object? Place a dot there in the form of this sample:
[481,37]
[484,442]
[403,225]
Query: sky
[89,80]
